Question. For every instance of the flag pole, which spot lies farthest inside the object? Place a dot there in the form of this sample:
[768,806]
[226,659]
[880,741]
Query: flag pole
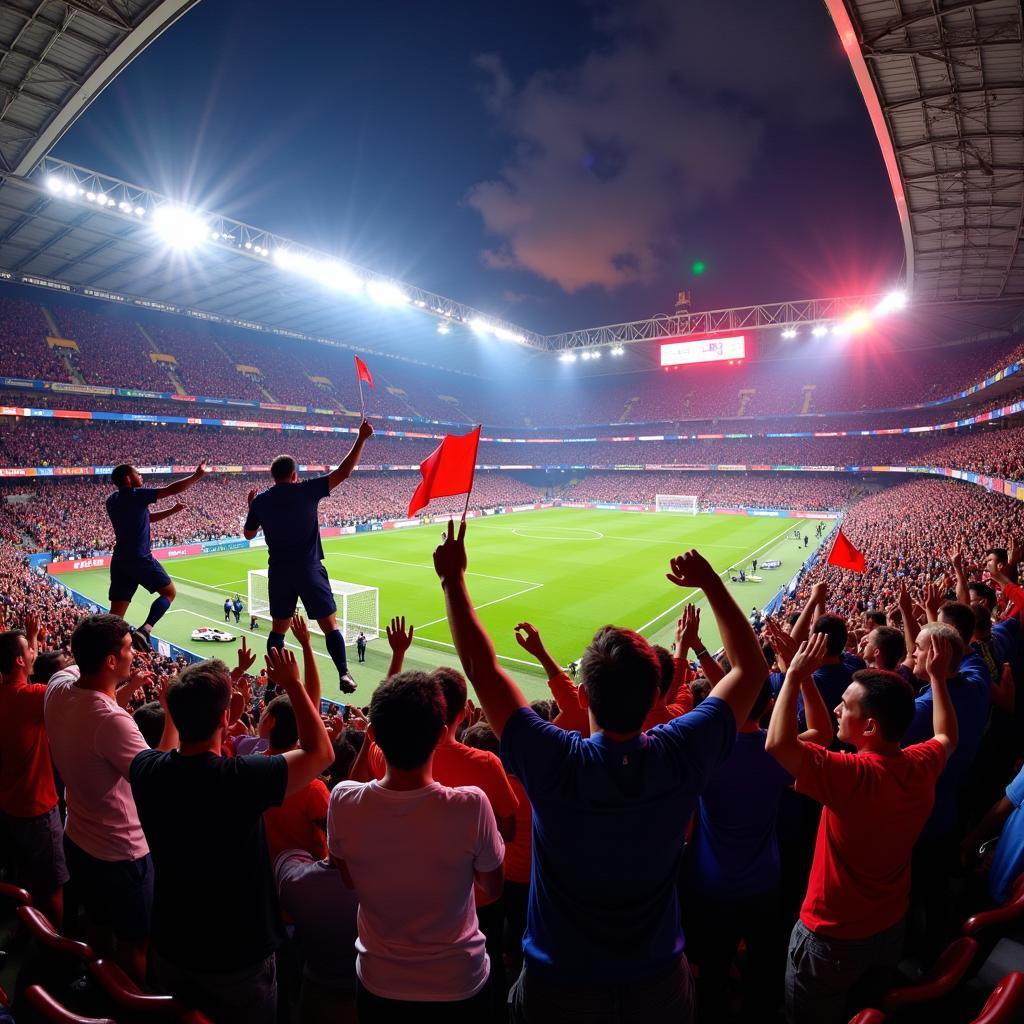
[362,401]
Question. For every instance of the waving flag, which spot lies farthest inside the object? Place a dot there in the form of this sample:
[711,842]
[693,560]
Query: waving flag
[448,470]
[845,555]
[363,373]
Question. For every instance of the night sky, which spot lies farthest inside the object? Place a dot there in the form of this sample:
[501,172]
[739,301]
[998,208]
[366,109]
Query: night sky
[560,163]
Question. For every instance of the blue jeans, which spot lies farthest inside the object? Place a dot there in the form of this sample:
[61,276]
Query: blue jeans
[663,999]
[822,973]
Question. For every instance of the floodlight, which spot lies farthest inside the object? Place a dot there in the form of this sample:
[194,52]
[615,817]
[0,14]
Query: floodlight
[386,293]
[891,303]
[820,331]
[567,357]
[618,350]
[54,184]
[70,190]
[180,228]
[338,277]
[139,211]
[596,354]
[789,333]
[859,320]
[443,328]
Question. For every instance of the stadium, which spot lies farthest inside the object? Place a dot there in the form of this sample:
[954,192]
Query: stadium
[643,833]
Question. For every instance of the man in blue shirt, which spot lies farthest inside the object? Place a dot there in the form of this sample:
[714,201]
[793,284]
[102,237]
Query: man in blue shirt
[132,564]
[288,515]
[610,812]
[1008,860]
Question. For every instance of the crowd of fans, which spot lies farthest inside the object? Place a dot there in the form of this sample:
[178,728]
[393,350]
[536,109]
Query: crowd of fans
[651,835]
[114,350]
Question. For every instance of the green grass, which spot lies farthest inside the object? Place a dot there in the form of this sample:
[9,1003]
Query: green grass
[568,571]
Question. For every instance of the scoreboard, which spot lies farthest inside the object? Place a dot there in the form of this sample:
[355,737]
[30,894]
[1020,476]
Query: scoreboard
[703,350]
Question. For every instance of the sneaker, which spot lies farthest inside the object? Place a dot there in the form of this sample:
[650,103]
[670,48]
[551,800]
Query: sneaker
[140,641]
[347,684]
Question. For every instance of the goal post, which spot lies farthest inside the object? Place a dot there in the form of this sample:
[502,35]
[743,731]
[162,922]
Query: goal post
[686,504]
[358,605]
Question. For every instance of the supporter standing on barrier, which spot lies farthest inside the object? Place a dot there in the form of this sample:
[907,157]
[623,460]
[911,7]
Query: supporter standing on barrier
[288,515]
[132,564]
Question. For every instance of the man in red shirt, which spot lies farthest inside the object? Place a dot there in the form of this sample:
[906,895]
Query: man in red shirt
[876,802]
[30,824]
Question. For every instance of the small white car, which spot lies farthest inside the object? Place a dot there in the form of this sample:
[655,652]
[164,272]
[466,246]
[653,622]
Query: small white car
[209,633]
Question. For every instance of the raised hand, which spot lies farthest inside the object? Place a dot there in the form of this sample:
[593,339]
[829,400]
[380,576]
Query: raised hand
[1014,552]
[398,636]
[161,693]
[31,628]
[784,646]
[250,495]
[691,569]
[282,668]
[958,559]
[365,430]
[819,593]
[200,470]
[246,658]
[450,556]
[933,598]
[528,637]
[688,630]
[300,630]
[810,656]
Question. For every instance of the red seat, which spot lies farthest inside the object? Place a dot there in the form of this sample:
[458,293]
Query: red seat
[939,980]
[17,895]
[869,1017]
[49,1009]
[126,994]
[1006,1004]
[1012,909]
[40,928]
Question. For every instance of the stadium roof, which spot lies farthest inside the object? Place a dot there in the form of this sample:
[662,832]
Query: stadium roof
[944,84]
[56,56]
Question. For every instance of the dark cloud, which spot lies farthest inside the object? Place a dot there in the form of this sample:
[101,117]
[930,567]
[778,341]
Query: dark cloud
[667,114]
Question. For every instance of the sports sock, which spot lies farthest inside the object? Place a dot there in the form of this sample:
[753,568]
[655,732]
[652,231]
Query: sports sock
[336,649]
[156,610]
[275,640]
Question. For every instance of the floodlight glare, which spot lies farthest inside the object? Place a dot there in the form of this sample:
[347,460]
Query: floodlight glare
[789,333]
[859,320]
[820,331]
[386,293]
[567,357]
[54,184]
[443,329]
[891,303]
[180,228]
[70,190]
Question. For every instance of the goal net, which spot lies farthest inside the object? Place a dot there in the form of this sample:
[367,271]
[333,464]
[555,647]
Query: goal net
[358,606]
[685,503]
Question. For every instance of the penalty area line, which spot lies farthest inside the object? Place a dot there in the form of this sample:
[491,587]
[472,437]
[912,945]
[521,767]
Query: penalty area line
[726,572]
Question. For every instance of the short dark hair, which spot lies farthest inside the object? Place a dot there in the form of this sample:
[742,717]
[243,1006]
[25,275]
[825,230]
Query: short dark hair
[481,736]
[668,668]
[119,474]
[984,592]
[10,649]
[48,664]
[453,689]
[982,619]
[282,467]
[877,616]
[542,708]
[889,699]
[284,733]
[408,715]
[344,757]
[699,688]
[150,720]
[960,617]
[835,629]
[1002,554]
[620,672]
[95,639]
[891,644]
[198,698]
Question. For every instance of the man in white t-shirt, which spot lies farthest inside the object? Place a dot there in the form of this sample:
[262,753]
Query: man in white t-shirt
[412,850]
[94,740]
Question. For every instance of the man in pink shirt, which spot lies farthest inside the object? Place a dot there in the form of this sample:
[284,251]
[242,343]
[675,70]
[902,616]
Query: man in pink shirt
[94,741]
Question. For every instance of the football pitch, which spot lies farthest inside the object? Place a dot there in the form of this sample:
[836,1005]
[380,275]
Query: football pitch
[568,571]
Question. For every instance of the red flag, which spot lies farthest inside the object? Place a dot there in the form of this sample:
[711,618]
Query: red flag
[447,470]
[362,373]
[845,555]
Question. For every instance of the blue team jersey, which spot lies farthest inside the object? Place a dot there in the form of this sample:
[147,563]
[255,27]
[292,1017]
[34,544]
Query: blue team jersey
[128,508]
[288,515]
